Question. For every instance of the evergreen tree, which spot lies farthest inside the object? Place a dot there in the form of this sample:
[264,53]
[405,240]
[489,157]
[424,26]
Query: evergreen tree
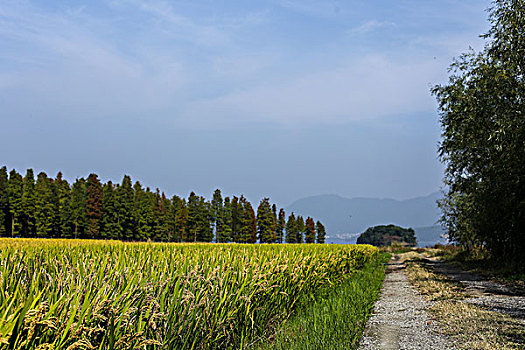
[180,213]
[125,207]
[78,207]
[300,228]
[310,230]
[217,211]
[291,229]
[45,206]
[193,217]
[265,222]
[235,221]
[274,223]
[199,219]
[143,213]
[4,202]
[15,202]
[281,224]
[321,233]
[164,223]
[110,228]
[247,222]
[93,205]
[224,235]
[28,204]
[64,214]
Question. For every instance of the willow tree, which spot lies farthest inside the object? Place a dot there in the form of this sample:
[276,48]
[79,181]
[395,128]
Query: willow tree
[482,114]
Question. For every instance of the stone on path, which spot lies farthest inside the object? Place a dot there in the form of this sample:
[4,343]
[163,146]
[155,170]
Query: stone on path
[400,320]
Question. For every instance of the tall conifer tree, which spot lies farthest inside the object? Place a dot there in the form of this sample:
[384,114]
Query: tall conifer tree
[15,202]
[281,225]
[45,206]
[78,207]
[28,204]
[93,205]
[110,228]
[235,222]
[143,212]
[300,229]
[248,222]
[291,229]
[125,204]
[64,214]
[265,222]
[217,211]
[180,212]
[321,233]
[226,227]
[275,223]
[193,217]
[310,230]
[4,202]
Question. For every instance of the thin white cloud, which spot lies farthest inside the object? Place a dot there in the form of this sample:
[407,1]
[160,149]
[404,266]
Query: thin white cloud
[367,88]
[314,8]
[370,26]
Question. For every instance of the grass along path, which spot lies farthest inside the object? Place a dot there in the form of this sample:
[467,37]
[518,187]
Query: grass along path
[470,326]
[337,319]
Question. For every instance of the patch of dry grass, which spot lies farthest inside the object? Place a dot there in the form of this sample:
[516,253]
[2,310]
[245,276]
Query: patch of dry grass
[469,326]
[434,286]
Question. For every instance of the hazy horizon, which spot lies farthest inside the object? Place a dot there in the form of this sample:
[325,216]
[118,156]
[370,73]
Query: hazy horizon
[282,98]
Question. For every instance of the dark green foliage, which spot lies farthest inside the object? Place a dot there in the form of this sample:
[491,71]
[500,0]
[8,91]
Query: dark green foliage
[310,230]
[142,213]
[15,202]
[224,234]
[299,229]
[281,224]
[291,229]
[199,219]
[93,205]
[28,205]
[180,215]
[235,222]
[110,228]
[274,223]
[64,214]
[91,209]
[265,222]
[217,211]
[482,112]
[4,202]
[385,235]
[164,219]
[321,232]
[46,204]
[78,207]
[125,204]
[247,224]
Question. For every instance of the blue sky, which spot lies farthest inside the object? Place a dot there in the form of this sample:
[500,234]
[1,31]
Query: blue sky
[278,98]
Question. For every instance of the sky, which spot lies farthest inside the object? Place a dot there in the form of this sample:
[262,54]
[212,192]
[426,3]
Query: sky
[278,98]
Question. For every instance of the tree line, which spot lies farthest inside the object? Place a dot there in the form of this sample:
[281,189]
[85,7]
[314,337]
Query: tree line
[46,207]
[483,128]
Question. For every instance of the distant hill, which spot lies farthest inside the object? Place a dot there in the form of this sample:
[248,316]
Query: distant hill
[346,218]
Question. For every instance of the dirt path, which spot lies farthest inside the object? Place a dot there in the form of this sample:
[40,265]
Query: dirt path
[399,320]
[483,291]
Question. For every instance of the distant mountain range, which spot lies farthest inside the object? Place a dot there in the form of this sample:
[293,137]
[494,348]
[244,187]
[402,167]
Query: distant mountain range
[346,218]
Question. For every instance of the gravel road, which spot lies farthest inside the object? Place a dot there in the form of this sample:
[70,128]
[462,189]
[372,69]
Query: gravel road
[483,291]
[399,321]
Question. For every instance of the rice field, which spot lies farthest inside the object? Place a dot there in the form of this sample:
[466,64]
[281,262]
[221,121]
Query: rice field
[78,294]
